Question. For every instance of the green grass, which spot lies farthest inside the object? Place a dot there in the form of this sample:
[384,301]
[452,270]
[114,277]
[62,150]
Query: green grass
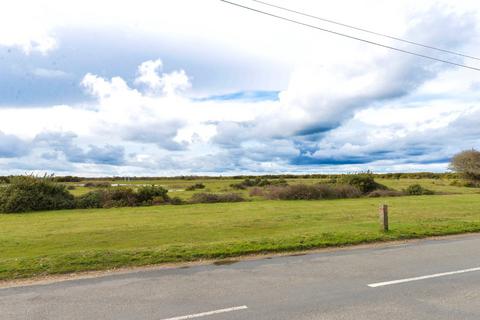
[77,240]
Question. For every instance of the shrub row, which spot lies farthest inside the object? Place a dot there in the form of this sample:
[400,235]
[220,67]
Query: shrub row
[257,182]
[29,193]
[97,184]
[123,197]
[312,192]
[330,191]
[216,197]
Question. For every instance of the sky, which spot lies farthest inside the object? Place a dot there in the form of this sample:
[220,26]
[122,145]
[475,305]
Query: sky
[188,87]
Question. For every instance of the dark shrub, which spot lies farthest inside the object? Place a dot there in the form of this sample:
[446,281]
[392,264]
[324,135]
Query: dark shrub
[176,201]
[195,187]
[97,184]
[365,182]
[71,188]
[417,190]
[306,192]
[312,192]
[257,182]
[346,191]
[385,193]
[238,186]
[216,197]
[67,179]
[4,180]
[29,193]
[145,195]
[122,197]
[119,197]
[90,200]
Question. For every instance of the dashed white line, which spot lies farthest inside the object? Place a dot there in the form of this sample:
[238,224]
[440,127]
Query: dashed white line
[437,275]
[209,313]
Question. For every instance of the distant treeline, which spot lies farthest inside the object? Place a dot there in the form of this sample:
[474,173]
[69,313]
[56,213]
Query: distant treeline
[410,175]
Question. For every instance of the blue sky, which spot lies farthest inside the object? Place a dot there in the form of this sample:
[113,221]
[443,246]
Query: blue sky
[150,88]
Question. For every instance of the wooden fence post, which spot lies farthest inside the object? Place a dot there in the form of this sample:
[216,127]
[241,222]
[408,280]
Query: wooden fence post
[383,212]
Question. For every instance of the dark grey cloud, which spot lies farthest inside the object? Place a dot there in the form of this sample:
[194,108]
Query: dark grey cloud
[64,142]
[161,133]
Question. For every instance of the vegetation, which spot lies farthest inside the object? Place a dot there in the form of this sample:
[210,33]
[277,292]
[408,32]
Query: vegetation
[257,182]
[123,197]
[312,192]
[78,240]
[97,184]
[28,193]
[92,193]
[467,163]
[365,182]
[417,190]
[195,186]
[67,179]
[216,197]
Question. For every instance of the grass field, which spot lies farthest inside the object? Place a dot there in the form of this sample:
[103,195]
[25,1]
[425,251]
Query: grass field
[77,240]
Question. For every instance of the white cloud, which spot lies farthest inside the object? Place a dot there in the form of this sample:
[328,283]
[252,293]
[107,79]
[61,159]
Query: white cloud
[148,74]
[167,83]
[26,26]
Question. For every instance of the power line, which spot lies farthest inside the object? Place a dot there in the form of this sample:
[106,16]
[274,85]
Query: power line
[366,30]
[351,37]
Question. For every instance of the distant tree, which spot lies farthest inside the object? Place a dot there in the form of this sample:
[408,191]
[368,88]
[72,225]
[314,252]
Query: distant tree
[467,163]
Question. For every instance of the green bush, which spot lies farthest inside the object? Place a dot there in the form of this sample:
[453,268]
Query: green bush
[119,197]
[417,190]
[195,186]
[29,193]
[256,182]
[146,195]
[122,197]
[90,200]
[365,182]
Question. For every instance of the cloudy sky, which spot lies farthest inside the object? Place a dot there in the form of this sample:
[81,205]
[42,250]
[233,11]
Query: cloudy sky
[202,87]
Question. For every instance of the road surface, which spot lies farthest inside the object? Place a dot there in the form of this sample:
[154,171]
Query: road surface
[428,279]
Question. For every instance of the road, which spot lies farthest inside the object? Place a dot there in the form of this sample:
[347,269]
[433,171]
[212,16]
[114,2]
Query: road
[439,279]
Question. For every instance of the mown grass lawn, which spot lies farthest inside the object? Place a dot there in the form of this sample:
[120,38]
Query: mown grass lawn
[76,240]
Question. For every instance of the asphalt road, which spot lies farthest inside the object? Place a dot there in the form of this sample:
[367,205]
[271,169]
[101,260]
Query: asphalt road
[440,279]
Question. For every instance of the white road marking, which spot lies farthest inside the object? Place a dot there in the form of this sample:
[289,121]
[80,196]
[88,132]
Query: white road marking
[437,275]
[209,313]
